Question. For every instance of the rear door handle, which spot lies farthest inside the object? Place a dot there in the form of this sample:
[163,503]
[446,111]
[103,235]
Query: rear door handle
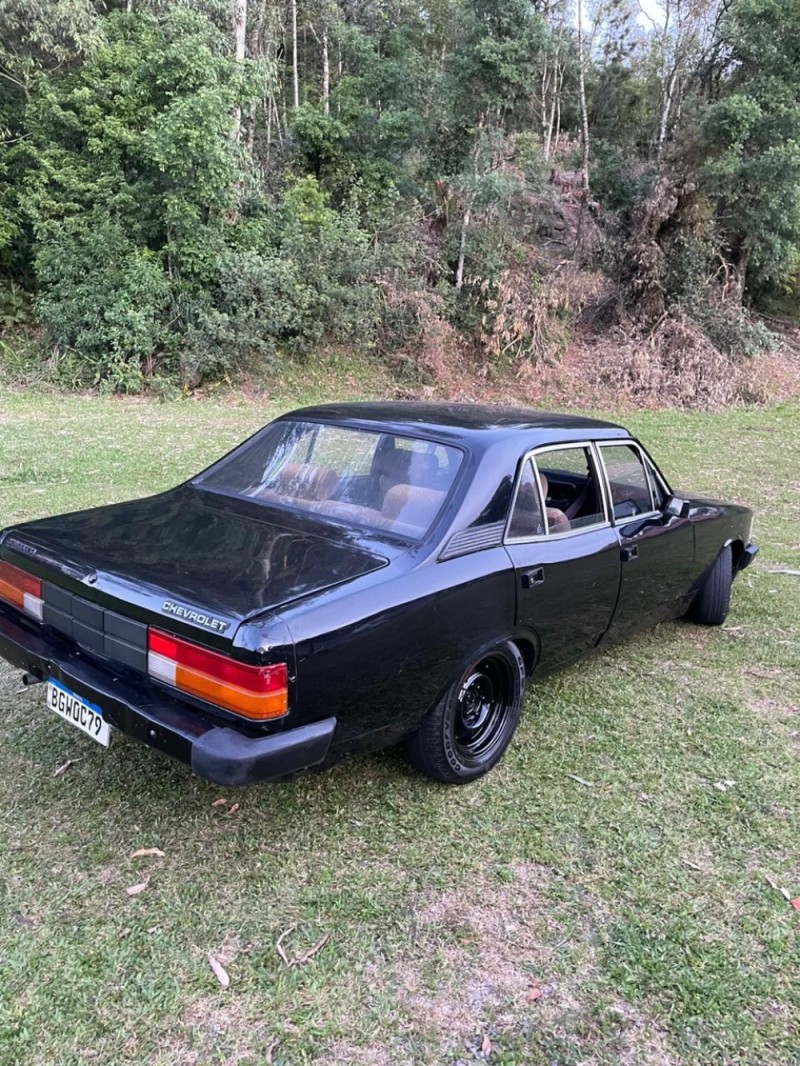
[629,553]
[533,577]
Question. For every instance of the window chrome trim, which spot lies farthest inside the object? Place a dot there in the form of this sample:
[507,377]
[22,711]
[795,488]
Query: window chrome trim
[530,456]
[646,462]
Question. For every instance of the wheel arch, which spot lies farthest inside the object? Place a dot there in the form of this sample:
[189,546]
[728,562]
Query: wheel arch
[737,548]
[529,650]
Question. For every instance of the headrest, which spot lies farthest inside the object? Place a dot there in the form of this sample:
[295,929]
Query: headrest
[392,467]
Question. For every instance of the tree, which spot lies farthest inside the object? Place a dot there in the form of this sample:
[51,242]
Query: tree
[751,137]
[132,178]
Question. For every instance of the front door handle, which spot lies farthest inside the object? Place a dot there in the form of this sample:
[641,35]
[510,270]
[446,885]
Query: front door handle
[629,553]
[533,577]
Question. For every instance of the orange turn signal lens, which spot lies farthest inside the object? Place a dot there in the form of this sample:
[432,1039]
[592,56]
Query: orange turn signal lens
[256,692]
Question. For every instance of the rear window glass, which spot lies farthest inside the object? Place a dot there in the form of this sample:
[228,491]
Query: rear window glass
[352,476]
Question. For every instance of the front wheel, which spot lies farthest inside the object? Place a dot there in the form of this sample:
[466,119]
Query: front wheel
[466,733]
[710,605]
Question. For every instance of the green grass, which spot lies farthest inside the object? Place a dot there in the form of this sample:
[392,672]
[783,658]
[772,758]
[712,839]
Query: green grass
[628,922]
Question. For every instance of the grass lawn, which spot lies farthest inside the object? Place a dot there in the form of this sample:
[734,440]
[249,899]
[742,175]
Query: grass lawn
[529,918]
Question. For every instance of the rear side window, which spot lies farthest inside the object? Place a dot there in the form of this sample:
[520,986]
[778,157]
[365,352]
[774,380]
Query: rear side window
[573,496]
[559,492]
[527,519]
[629,481]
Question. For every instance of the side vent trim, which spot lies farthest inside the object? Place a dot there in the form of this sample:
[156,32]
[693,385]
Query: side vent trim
[474,539]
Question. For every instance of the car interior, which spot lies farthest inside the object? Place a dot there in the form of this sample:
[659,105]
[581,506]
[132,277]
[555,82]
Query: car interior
[403,489]
[572,495]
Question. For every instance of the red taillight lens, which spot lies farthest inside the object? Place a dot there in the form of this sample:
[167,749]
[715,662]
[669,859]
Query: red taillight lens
[21,589]
[257,692]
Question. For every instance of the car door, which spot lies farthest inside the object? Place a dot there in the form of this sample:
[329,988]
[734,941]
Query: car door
[567,570]
[656,548]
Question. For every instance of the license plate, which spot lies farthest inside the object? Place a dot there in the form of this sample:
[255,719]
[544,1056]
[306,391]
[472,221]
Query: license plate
[79,712]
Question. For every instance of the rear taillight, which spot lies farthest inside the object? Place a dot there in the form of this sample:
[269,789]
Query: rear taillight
[22,590]
[257,692]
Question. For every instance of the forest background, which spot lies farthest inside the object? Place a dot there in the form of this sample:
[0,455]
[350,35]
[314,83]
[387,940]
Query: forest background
[583,199]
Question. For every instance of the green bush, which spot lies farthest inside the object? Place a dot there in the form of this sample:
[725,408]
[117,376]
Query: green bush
[529,157]
[615,182]
[336,258]
[262,305]
[692,282]
[105,298]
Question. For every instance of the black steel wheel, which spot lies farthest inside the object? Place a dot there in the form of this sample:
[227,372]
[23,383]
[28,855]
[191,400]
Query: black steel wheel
[710,605]
[466,733]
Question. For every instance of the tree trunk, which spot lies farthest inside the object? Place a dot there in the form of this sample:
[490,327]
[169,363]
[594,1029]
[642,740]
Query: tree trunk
[545,79]
[555,94]
[584,127]
[326,74]
[239,21]
[326,67]
[740,258]
[463,248]
[295,73]
[666,108]
[582,98]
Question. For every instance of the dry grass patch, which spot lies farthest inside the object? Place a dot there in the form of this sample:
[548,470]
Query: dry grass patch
[476,952]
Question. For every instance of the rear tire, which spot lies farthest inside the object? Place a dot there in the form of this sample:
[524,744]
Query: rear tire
[710,606]
[466,733]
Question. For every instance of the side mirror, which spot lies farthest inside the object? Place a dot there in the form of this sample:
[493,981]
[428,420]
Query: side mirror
[677,507]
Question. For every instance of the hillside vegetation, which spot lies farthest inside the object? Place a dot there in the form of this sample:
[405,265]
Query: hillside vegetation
[572,198]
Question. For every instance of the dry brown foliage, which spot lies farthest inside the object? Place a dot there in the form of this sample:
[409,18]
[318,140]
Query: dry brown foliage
[528,312]
[673,364]
[644,258]
[433,348]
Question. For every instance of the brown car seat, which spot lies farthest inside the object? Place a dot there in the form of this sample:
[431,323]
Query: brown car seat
[557,521]
[305,481]
[408,505]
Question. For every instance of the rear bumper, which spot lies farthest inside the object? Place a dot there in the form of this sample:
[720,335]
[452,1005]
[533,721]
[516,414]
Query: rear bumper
[216,753]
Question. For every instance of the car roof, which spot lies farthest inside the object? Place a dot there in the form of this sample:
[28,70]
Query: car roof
[466,421]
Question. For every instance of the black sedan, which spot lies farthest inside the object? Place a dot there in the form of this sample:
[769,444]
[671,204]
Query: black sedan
[353,575]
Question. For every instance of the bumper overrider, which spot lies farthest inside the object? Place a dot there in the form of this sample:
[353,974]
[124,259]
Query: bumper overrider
[216,753]
[747,556]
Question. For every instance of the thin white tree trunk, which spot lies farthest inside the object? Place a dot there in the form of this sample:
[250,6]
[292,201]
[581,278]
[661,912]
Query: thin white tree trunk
[582,98]
[239,20]
[545,82]
[326,74]
[295,73]
[584,127]
[555,93]
[326,67]
[462,251]
[666,107]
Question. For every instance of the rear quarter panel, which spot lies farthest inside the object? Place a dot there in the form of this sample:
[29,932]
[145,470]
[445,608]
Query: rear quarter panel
[379,657]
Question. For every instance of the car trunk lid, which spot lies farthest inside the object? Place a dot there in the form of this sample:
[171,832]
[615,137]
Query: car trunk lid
[193,561]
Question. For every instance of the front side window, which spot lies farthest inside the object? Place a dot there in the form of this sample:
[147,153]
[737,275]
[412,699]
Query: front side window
[628,481]
[559,492]
[353,476]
